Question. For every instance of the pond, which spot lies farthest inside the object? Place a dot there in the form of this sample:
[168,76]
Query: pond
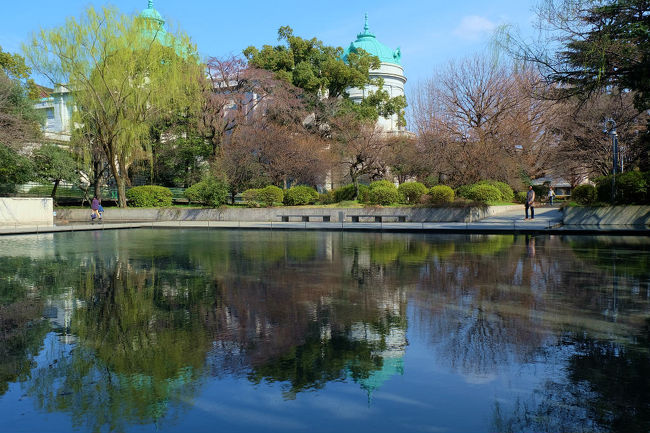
[209,330]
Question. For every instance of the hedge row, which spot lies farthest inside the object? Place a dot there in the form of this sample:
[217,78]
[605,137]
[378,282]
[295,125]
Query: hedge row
[263,197]
[149,196]
[487,191]
[631,188]
[300,195]
[208,192]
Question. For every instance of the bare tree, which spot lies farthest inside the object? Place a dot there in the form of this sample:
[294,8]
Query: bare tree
[584,149]
[360,148]
[235,94]
[479,119]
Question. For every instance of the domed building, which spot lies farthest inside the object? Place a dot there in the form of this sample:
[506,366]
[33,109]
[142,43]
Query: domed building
[155,28]
[57,103]
[390,70]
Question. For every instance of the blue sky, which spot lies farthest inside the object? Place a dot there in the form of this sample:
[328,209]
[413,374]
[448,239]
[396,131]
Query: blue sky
[429,33]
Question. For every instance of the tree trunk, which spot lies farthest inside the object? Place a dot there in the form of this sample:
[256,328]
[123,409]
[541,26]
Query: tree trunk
[56,185]
[97,188]
[121,191]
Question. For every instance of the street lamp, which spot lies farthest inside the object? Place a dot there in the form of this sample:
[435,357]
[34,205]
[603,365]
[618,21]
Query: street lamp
[612,131]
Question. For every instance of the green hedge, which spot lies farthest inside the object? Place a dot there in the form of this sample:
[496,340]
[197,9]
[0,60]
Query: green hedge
[327,197]
[208,192]
[411,192]
[381,192]
[484,193]
[364,191]
[507,194]
[631,188]
[383,182]
[584,194]
[344,193]
[149,196]
[267,196]
[383,195]
[464,191]
[521,197]
[300,195]
[441,194]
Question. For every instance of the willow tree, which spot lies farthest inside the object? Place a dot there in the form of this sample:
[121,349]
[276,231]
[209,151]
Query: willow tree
[124,73]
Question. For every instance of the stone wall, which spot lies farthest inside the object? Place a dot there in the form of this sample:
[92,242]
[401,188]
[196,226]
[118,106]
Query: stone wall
[607,215]
[26,211]
[274,214]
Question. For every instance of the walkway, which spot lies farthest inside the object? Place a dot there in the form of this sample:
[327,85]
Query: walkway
[547,221]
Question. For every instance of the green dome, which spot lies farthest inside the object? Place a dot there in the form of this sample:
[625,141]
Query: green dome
[156,29]
[151,14]
[369,43]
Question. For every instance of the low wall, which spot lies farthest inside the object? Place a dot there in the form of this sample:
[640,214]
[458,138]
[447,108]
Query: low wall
[608,215]
[273,214]
[26,211]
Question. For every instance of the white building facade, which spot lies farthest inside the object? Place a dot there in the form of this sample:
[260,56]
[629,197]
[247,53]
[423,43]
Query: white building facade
[58,108]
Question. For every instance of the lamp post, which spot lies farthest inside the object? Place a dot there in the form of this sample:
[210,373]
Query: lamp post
[612,131]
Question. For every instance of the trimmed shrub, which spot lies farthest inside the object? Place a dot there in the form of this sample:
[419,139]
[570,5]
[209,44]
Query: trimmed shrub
[383,182]
[484,193]
[441,194]
[507,194]
[149,196]
[266,196]
[631,188]
[344,193]
[521,197]
[383,195]
[584,194]
[300,195]
[327,197]
[250,196]
[209,192]
[364,191]
[463,191]
[410,192]
[271,194]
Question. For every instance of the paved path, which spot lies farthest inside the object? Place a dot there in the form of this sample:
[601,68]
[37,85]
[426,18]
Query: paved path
[547,220]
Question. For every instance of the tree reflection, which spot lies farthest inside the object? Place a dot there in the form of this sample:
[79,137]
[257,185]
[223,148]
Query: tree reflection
[22,327]
[155,312]
[606,388]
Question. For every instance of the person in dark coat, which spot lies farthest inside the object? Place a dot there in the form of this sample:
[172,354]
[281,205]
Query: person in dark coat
[530,203]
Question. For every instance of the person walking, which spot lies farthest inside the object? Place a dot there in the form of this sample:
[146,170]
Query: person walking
[530,203]
[94,208]
[551,195]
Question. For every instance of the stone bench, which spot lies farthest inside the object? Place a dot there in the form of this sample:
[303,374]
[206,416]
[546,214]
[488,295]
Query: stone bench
[378,218]
[305,218]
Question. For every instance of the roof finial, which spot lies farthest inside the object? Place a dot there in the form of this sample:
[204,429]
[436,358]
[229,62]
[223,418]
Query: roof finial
[365,25]
[150,4]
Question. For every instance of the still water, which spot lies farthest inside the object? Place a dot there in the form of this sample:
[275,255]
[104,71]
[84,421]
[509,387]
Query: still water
[213,330]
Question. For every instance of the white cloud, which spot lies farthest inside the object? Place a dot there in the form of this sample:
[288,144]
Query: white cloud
[473,27]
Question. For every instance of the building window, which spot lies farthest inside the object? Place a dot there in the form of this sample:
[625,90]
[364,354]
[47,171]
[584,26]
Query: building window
[50,113]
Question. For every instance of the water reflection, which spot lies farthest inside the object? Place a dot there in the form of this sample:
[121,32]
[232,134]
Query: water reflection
[119,328]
